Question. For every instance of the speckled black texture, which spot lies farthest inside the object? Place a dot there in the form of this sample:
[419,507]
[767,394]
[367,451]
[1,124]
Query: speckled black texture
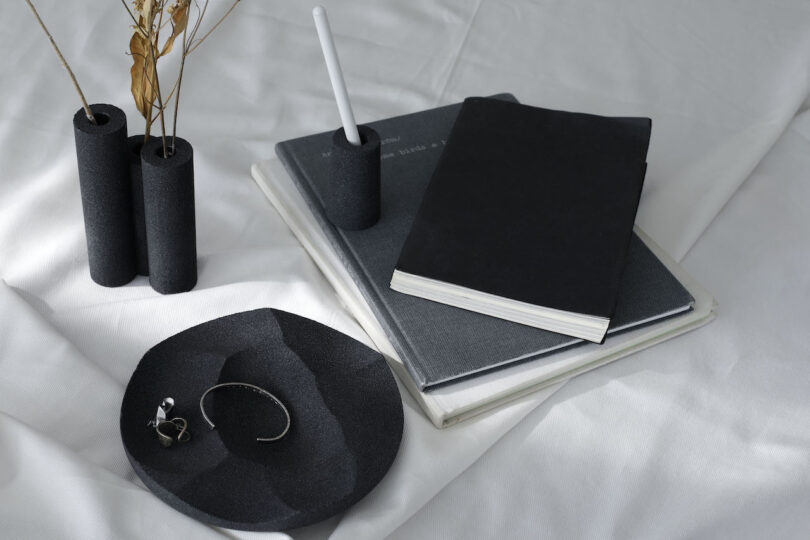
[101,152]
[171,237]
[346,421]
[353,196]
[134,144]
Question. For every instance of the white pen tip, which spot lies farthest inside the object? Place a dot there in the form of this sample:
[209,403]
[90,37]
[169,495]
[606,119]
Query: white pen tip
[318,11]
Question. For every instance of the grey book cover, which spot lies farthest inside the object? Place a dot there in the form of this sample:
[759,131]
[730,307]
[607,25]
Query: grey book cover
[439,343]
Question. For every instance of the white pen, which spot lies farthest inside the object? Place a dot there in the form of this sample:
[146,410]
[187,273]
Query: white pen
[336,75]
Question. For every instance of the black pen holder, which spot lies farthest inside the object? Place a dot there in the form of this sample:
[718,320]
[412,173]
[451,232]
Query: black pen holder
[168,197]
[101,152]
[353,191]
[134,144]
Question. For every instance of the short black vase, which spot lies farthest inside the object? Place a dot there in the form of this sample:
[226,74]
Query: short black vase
[168,198]
[134,145]
[353,192]
[101,152]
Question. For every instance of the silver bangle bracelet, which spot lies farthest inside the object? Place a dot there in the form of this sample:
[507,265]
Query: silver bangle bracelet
[258,390]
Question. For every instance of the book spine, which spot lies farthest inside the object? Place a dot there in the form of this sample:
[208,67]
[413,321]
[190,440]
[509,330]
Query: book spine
[349,260]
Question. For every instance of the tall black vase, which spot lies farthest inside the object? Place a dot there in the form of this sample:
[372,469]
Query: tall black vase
[168,196]
[101,152]
[134,144]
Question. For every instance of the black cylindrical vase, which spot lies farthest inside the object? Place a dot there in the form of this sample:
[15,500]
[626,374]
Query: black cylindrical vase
[353,192]
[134,144]
[101,151]
[168,197]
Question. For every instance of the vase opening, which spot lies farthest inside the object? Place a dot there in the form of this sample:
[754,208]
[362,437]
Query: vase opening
[101,118]
[135,149]
[169,152]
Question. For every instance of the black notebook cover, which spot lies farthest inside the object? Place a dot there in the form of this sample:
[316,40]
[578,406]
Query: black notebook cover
[438,343]
[533,205]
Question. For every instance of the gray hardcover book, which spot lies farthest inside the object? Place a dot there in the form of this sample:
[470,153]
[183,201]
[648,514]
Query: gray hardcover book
[439,343]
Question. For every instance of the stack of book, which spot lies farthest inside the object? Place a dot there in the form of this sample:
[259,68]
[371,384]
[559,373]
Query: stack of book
[505,259]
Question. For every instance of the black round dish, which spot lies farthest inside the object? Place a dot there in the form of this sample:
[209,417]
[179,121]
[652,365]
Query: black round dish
[345,409]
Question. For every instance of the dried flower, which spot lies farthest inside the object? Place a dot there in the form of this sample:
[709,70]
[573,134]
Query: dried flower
[145,51]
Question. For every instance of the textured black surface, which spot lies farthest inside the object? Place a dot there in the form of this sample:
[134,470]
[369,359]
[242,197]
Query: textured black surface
[101,152]
[440,343]
[353,196]
[171,237]
[134,144]
[532,205]
[346,421]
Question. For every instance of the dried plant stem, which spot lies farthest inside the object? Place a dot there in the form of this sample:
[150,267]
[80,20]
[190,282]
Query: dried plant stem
[199,20]
[179,82]
[188,48]
[149,121]
[131,15]
[160,101]
[87,110]
[157,86]
[168,98]
[147,131]
[199,41]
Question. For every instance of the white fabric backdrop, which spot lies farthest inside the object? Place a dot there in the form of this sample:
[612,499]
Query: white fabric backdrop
[707,435]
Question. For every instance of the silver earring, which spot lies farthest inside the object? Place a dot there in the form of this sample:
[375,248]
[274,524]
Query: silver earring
[258,390]
[168,430]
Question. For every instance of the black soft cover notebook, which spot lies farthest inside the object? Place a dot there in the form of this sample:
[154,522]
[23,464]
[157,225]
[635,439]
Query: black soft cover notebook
[528,216]
[438,343]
